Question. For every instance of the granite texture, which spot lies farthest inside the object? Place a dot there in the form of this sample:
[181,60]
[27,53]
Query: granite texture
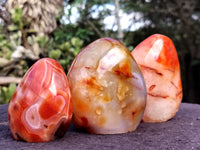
[182,132]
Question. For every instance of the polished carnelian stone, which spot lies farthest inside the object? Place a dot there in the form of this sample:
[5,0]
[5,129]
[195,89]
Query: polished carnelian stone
[41,106]
[158,61]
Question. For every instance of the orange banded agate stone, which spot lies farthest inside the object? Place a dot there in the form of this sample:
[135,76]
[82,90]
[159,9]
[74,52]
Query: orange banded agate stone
[41,107]
[108,89]
[158,61]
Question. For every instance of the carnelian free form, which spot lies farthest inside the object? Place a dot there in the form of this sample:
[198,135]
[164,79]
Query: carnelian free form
[41,107]
[108,89]
[158,61]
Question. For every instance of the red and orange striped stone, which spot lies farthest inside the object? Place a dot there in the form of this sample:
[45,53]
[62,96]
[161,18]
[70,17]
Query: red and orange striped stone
[41,107]
[158,61]
[108,89]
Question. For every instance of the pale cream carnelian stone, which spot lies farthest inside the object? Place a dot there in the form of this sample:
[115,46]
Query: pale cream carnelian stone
[108,89]
[158,61]
[41,107]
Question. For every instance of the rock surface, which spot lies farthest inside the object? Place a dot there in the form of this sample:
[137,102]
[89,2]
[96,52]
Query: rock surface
[180,133]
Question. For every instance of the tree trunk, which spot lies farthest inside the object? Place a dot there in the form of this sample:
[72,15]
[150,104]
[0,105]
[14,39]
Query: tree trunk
[120,35]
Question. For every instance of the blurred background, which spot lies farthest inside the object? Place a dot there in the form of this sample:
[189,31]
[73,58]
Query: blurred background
[59,29]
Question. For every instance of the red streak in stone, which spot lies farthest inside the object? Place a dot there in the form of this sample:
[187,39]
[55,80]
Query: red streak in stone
[119,73]
[174,85]
[151,69]
[152,87]
[87,67]
[157,95]
[178,93]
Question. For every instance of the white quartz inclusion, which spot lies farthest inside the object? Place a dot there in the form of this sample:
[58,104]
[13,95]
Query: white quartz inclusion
[154,52]
[111,59]
[32,117]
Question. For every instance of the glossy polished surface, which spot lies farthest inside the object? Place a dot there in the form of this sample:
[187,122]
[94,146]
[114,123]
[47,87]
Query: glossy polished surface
[108,90]
[158,61]
[41,107]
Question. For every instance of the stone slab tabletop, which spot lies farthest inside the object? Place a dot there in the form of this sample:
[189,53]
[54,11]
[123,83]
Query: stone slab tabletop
[182,132]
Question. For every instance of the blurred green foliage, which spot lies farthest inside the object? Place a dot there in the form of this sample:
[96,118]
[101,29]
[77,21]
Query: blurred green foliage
[68,51]
[6,93]
[178,20]
[8,43]
[63,45]
[5,47]
[65,52]
[17,19]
